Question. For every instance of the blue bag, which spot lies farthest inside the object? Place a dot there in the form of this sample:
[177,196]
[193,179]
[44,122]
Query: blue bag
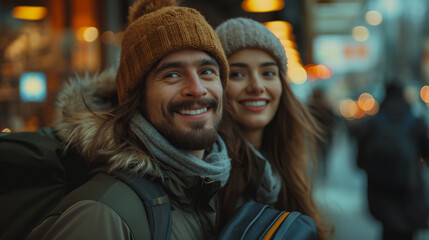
[258,221]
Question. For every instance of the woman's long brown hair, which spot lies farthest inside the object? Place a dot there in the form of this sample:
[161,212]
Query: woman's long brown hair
[288,142]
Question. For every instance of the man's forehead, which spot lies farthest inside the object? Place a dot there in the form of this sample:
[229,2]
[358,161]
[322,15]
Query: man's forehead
[188,56]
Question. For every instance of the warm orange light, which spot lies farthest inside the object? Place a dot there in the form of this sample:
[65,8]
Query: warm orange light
[281,29]
[318,71]
[90,34]
[424,94]
[297,74]
[374,109]
[366,102]
[311,71]
[29,12]
[87,34]
[262,5]
[323,72]
[348,108]
[288,43]
[359,113]
[290,52]
[6,130]
[278,25]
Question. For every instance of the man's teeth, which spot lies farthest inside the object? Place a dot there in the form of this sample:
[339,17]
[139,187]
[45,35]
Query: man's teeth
[255,103]
[193,112]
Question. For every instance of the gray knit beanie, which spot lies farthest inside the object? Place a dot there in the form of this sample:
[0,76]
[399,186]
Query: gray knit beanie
[238,33]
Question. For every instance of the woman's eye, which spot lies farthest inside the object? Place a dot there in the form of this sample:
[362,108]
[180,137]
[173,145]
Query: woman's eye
[236,74]
[269,73]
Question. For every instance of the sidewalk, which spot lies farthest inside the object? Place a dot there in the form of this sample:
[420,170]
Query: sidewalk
[342,195]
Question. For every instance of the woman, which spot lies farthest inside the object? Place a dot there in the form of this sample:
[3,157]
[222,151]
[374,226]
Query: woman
[265,127]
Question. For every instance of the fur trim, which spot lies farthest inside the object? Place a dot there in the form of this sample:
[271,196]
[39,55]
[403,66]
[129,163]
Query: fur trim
[83,104]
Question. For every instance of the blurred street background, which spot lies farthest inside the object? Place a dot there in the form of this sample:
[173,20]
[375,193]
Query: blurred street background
[340,52]
[341,195]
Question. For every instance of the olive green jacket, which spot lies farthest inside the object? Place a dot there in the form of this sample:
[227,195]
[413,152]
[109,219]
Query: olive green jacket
[106,208]
[102,207]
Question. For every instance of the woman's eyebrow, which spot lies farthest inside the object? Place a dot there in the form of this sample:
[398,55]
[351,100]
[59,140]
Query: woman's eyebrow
[238,65]
[267,64]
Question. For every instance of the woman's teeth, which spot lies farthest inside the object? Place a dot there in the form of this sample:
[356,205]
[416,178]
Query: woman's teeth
[255,103]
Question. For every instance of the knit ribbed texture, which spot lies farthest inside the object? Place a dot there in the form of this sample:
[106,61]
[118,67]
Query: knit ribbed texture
[239,33]
[156,34]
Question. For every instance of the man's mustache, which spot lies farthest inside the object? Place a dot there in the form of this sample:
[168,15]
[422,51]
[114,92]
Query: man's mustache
[206,102]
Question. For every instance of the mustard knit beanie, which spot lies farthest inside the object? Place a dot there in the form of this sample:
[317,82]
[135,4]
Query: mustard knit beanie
[157,28]
[239,33]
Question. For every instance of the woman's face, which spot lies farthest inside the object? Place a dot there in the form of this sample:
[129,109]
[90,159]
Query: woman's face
[254,88]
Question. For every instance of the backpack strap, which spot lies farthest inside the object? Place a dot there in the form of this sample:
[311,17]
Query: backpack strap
[157,205]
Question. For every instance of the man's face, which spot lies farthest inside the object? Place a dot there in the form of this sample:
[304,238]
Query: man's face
[184,99]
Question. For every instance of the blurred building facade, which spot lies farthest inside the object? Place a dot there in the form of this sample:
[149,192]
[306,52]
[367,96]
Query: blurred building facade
[346,47]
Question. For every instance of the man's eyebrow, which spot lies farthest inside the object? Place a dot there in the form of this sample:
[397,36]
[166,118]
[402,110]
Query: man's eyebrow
[168,65]
[209,61]
[178,64]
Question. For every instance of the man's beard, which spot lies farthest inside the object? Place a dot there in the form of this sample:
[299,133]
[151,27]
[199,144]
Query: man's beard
[199,137]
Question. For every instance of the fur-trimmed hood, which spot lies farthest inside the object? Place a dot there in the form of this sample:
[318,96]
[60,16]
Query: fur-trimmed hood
[82,104]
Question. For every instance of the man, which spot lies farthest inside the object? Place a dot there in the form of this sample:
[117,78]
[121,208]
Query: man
[170,89]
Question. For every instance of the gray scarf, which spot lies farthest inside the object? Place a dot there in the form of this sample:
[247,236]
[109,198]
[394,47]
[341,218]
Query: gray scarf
[216,165]
[271,183]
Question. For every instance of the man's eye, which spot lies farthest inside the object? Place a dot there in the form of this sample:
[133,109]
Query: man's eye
[236,75]
[207,71]
[172,75]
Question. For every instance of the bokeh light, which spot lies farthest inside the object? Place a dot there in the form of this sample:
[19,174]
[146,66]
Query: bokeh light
[262,5]
[348,108]
[360,33]
[424,94]
[297,74]
[90,34]
[374,109]
[29,12]
[366,101]
[373,18]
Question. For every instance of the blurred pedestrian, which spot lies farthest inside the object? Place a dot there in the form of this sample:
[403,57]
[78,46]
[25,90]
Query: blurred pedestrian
[269,125]
[390,148]
[320,107]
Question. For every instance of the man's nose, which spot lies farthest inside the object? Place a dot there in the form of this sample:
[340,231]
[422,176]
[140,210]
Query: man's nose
[193,87]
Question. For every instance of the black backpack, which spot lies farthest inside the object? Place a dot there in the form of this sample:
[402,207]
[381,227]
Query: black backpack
[256,221]
[36,174]
[390,153]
